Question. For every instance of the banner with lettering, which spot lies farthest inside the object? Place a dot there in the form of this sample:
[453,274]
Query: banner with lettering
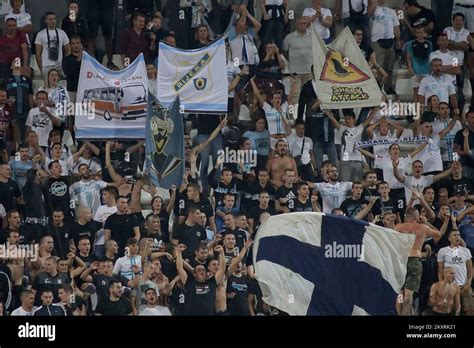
[343,76]
[198,77]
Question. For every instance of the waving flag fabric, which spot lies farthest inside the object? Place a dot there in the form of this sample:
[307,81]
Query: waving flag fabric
[316,264]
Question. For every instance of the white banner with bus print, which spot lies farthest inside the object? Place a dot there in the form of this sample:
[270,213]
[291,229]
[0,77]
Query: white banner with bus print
[113,103]
[198,77]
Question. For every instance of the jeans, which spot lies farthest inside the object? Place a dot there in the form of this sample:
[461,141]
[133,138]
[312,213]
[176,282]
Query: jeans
[321,148]
[351,170]
[216,145]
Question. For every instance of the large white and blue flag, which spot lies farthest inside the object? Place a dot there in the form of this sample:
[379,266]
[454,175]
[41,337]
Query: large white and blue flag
[118,100]
[197,76]
[316,264]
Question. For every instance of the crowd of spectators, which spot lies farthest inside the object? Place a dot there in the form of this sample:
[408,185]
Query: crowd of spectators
[110,243]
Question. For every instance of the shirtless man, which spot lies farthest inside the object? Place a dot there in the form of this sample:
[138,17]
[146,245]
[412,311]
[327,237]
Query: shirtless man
[412,225]
[445,295]
[276,165]
[44,251]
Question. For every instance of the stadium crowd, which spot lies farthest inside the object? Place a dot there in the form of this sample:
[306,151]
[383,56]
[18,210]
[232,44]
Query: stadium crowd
[110,243]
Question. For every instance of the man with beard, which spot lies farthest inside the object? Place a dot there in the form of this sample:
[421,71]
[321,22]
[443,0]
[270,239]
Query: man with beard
[230,227]
[87,190]
[200,291]
[276,166]
[332,192]
[56,190]
[114,304]
[61,232]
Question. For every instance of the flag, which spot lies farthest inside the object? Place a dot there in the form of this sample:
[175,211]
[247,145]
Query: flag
[343,76]
[113,103]
[316,264]
[198,77]
[164,144]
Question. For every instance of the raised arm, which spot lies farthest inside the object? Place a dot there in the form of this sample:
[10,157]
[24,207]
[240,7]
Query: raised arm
[367,209]
[221,272]
[95,150]
[450,126]
[367,154]
[398,128]
[418,149]
[198,148]
[396,174]
[257,93]
[183,276]
[443,175]
[235,261]
[371,116]
[108,163]
[333,120]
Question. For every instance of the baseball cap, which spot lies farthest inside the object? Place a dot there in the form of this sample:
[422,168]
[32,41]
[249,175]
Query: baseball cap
[459,191]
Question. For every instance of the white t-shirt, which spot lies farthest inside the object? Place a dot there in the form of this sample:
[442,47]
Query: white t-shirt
[332,195]
[296,143]
[155,311]
[100,216]
[385,163]
[457,36]
[411,183]
[124,264]
[349,137]
[382,150]
[273,116]
[42,39]
[431,155]
[442,86]
[300,53]
[385,20]
[447,142]
[448,58]
[94,165]
[88,193]
[456,258]
[41,124]
[323,31]
[20,312]
[66,165]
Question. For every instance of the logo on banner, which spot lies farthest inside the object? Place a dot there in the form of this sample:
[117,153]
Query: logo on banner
[200,83]
[336,70]
[196,69]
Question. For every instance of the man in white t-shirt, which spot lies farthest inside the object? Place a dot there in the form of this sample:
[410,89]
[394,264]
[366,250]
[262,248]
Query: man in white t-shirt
[450,64]
[431,154]
[418,182]
[385,36]
[302,146]
[152,308]
[438,84]
[460,259]
[23,19]
[109,195]
[50,43]
[459,41]
[41,119]
[442,122]
[320,18]
[332,192]
[27,308]
[351,159]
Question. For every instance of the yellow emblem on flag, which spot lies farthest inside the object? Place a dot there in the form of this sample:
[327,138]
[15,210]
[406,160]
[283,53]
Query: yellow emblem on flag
[338,70]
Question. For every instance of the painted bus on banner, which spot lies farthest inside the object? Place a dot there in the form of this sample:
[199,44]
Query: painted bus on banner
[125,103]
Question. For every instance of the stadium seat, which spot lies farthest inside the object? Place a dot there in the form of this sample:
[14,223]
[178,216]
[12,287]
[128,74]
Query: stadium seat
[35,67]
[37,84]
[404,90]
[116,59]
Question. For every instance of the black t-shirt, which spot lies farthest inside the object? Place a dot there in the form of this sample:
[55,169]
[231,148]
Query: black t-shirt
[44,281]
[177,299]
[285,192]
[459,140]
[240,286]
[387,207]
[464,184]
[255,213]
[252,192]
[201,297]
[190,236]
[369,192]
[101,283]
[194,263]
[56,194]
[352,207]
[207,123]
[89,230]
[61,237]
[240,236]
[107,307]
[8,192]
[204,206]
[423,18]
[121,227]
[295,205]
